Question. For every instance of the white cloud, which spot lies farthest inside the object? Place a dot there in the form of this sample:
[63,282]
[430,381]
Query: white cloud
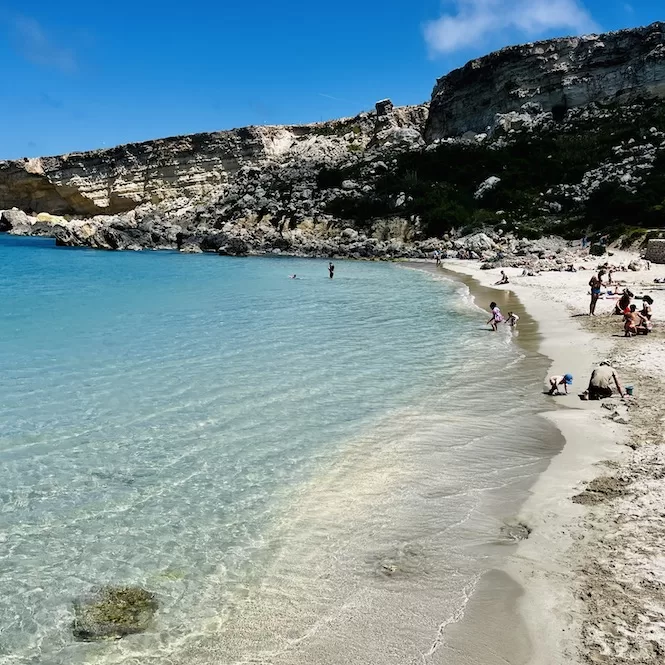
[473,22]
[35,45]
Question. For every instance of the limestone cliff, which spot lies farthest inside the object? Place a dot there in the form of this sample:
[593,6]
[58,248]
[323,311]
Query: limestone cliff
[194,167]
[565,135]
[554,75]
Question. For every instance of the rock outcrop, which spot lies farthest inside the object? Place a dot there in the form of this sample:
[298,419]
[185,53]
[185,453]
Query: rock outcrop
[196,167]
[113,612]
[551,76]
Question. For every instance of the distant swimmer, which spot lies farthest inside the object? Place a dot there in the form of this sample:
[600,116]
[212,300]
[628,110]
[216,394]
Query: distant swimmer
[294,276]
[331,269]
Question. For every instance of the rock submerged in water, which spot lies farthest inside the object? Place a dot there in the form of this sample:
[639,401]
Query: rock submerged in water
[113,612]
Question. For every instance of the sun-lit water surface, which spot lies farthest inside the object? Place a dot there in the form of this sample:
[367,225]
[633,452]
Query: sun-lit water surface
[306,470]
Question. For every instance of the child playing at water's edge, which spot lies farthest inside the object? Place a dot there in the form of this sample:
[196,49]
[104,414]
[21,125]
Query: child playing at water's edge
[556,381]
[497,317]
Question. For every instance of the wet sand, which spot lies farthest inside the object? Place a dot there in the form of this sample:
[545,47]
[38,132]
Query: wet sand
[592,568]
[494,628]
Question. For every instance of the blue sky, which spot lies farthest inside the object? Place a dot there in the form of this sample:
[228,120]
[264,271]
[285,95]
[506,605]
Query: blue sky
[81,75]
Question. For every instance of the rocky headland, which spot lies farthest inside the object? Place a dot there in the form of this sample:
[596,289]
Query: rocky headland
[559,137]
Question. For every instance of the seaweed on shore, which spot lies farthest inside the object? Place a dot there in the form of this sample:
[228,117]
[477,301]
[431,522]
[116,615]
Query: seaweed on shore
[113,612]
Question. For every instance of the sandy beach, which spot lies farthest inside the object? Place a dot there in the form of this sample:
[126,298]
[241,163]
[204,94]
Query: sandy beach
[592,571]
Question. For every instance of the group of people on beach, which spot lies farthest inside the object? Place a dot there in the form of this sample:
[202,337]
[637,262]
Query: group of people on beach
[634,322]
[602,384]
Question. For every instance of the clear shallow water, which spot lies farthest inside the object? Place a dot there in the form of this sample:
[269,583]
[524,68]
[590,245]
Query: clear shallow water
[302,470]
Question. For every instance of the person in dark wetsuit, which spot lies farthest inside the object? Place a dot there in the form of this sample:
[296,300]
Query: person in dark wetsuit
[331,269]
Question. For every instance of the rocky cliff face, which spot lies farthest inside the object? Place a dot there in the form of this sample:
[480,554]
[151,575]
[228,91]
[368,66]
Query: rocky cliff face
[551,76]
[196,167]
[557,136]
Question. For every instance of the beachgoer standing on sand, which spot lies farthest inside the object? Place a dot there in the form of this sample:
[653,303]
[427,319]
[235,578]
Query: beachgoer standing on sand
[497,317]
[595,283]
[556,381]
[331,269]
[601,382]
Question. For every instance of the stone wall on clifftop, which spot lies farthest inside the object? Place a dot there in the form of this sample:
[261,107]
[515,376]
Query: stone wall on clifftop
[554,75]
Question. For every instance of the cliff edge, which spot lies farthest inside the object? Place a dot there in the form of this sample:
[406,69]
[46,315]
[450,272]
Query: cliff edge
[551,76]
[196,167]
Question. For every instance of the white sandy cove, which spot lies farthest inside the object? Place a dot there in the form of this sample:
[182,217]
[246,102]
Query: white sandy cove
[593,572]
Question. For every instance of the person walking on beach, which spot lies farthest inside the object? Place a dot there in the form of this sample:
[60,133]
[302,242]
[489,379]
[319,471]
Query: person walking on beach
[556,381]
[331,269]
[595,283]
[497,317]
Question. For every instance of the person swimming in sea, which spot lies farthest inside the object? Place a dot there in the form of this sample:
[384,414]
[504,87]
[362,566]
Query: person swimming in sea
[331,269]
[497,317]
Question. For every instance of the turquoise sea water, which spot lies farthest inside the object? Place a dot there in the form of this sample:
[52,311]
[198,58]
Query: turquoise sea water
[306,470]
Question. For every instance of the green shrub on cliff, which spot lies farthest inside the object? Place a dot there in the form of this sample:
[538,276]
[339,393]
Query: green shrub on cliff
[440,184]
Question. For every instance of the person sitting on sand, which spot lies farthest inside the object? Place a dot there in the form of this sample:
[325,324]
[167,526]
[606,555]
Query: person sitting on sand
[497,317]
[595,283]
[623,306]
[556,381]
[512,319]
[503,280]
[633,321]
[603,378]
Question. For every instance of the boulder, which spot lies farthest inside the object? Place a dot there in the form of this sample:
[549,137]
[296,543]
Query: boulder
[486,186]
[113,612]
[234,247]
[478,243]
[10,219]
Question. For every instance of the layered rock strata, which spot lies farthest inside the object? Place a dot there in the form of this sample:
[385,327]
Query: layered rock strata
[551,76]
[195,167]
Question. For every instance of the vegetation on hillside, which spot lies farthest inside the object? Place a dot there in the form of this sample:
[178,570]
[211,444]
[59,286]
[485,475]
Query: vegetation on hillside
[439,185]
